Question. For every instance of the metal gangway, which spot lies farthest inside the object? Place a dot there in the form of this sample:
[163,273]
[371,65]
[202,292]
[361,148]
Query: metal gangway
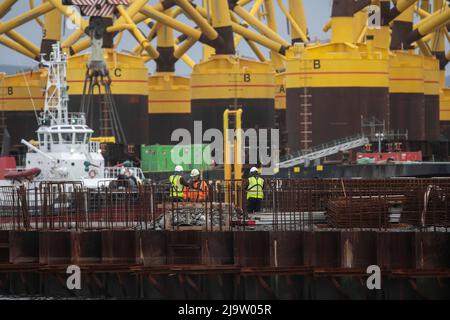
[324,150]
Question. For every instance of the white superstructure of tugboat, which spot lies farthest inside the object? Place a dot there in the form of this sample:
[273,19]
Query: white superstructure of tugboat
[64,151]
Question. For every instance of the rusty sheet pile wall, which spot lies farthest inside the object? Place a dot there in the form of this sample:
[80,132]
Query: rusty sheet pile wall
[230,265]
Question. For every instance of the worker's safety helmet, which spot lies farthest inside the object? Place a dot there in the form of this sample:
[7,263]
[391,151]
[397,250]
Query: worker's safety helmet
[254,170]
[178,168]
[195,173]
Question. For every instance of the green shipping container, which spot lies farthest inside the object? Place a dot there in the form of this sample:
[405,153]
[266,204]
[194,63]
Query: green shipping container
[164,158]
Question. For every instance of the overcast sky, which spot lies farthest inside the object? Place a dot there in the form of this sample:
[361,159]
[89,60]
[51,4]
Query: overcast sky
[317,12]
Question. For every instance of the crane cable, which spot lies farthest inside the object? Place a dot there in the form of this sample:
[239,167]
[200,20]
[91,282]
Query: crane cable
[31,98]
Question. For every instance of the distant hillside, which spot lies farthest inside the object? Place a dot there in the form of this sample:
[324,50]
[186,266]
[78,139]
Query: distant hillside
[12,69]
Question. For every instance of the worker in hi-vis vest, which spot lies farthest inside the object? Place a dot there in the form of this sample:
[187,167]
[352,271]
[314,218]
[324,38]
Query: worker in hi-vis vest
[255,192]
[198,188]
[177,184]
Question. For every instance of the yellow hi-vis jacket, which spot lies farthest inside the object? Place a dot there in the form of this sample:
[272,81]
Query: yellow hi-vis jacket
[176,188]
[255,188]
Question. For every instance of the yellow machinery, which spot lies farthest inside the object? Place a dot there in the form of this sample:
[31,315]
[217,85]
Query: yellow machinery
[324,88]
[51,31]
[280,110]
[322,82]
[104,139]
[225,81]
[169,106]
[415,79]
[233,157]
[297,22]
[406,92]
[130,90]
[431,91]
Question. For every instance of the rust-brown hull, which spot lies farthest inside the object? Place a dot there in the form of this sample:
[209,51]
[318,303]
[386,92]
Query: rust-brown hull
[280,123]
[21,125]
[132,110]
[432,117]
[257,113]
[407,114]
[162,125]
[335,112]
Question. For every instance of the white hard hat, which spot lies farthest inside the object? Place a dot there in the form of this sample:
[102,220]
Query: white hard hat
[178,168]
[253,170]
[195,173]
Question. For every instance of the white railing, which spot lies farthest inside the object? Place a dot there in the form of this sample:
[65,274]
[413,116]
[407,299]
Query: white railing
[94,146]
[113,172]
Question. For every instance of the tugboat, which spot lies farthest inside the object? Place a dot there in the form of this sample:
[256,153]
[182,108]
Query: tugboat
[63,152]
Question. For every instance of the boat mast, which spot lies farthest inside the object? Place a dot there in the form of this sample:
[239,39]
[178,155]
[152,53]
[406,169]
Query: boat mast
[56,97]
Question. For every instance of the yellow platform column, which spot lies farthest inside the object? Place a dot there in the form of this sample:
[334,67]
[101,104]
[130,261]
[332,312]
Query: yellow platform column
[51,32]
[22,101]
[129,88]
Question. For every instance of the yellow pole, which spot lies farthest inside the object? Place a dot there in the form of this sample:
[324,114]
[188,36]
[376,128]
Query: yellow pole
[276,59]
[297,20]
[250,35]
[71,14]
[221,21]
[254,22]
[295,27]
[438,44]
[150,12]
[25,17]
[203,24]
[220,16]
[185,58]
[207,50]
[253,11]
[226,156]
[401,28]
[132,10]
[360,25]
[25,43]
[51,31]
[399,7]
[137,34]
[185,46]
[253,36]
[80,46]
[165,34]
[342,21]
[428,25]
[151,35]
[238,146]
[16,47]
[256,51]
[382,35]
[425,5]
[73,38]
[238,158]
[6,6]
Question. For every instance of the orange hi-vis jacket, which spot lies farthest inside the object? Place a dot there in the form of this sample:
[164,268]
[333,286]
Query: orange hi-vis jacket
[197,192]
